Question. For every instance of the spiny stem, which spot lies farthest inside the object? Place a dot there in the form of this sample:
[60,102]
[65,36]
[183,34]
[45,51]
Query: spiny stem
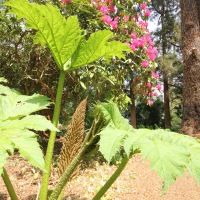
[9,185]
[112,179]
[66,175]
[49,153]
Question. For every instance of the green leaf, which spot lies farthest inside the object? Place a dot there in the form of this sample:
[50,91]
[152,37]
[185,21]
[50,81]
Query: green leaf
[92,49]
[35,122]
[117,128]
[23,140]
[14,105]
[110,142]
[96,47]
[60,35]
[3,80]
[17,125]
[116,48]
[83,85]
[112,116]
[64,37]
[169,153]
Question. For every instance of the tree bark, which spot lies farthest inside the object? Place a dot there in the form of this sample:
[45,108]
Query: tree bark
[190,30]
[166,103]
[165,74]
[132,107]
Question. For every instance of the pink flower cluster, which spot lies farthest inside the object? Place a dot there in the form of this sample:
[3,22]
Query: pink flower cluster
[66,1]
[106,8]
[139,41]
[147,12]
[112,22]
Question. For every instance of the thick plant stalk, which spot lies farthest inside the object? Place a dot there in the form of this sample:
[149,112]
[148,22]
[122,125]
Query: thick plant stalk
[66,175]
[9,185]
[73,140]
[49,153]
[91,136]
[112,179]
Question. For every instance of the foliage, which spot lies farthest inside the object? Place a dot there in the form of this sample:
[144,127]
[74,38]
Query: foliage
[117,135]
[17,125]
[169,153]
[167,38]
[64,37]
[70,50]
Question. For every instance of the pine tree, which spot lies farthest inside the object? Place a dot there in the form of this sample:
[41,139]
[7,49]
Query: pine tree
[167,13]
[190,27]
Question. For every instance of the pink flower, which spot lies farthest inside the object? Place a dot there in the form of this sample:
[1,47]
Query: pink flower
[103,9]
[143,23]
[155,75]
[148,85]
[116,18]
[107,19]
[136,43]
[148,39]
[152,53]
[133,47]
[125,18]
[142,42]
[150,102]
[113,24]
[152,94]
[64,1]
[159,87]
[143,6]
[94,2]
[133,35]
[147,13]
[112,9]
[145,64]
[127,43]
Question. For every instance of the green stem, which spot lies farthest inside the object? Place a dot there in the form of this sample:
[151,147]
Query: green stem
[86,143]
[66,175]
[61,194]
[112,179]
[49,153]
[9,185]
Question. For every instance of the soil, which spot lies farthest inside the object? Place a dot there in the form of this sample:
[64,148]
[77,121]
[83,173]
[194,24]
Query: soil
[136,182]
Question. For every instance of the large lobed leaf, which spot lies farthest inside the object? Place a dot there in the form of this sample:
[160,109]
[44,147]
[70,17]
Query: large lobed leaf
[97,46]
[64,37]
[169,153]
[17,125]
[14,105]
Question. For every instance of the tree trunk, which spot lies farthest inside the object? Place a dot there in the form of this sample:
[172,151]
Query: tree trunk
[165,72]
[191,66]
[166,103]
[132,107]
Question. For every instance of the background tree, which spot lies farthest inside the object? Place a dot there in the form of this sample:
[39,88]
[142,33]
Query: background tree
[37,71]
[168,42]
[190,29]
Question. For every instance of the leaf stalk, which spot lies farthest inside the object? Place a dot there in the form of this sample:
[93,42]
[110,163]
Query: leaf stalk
[112,179]
[9,185]
[50,147]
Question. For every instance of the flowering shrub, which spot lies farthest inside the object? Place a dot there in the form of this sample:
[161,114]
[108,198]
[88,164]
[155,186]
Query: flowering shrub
[167,151]
[131,27]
